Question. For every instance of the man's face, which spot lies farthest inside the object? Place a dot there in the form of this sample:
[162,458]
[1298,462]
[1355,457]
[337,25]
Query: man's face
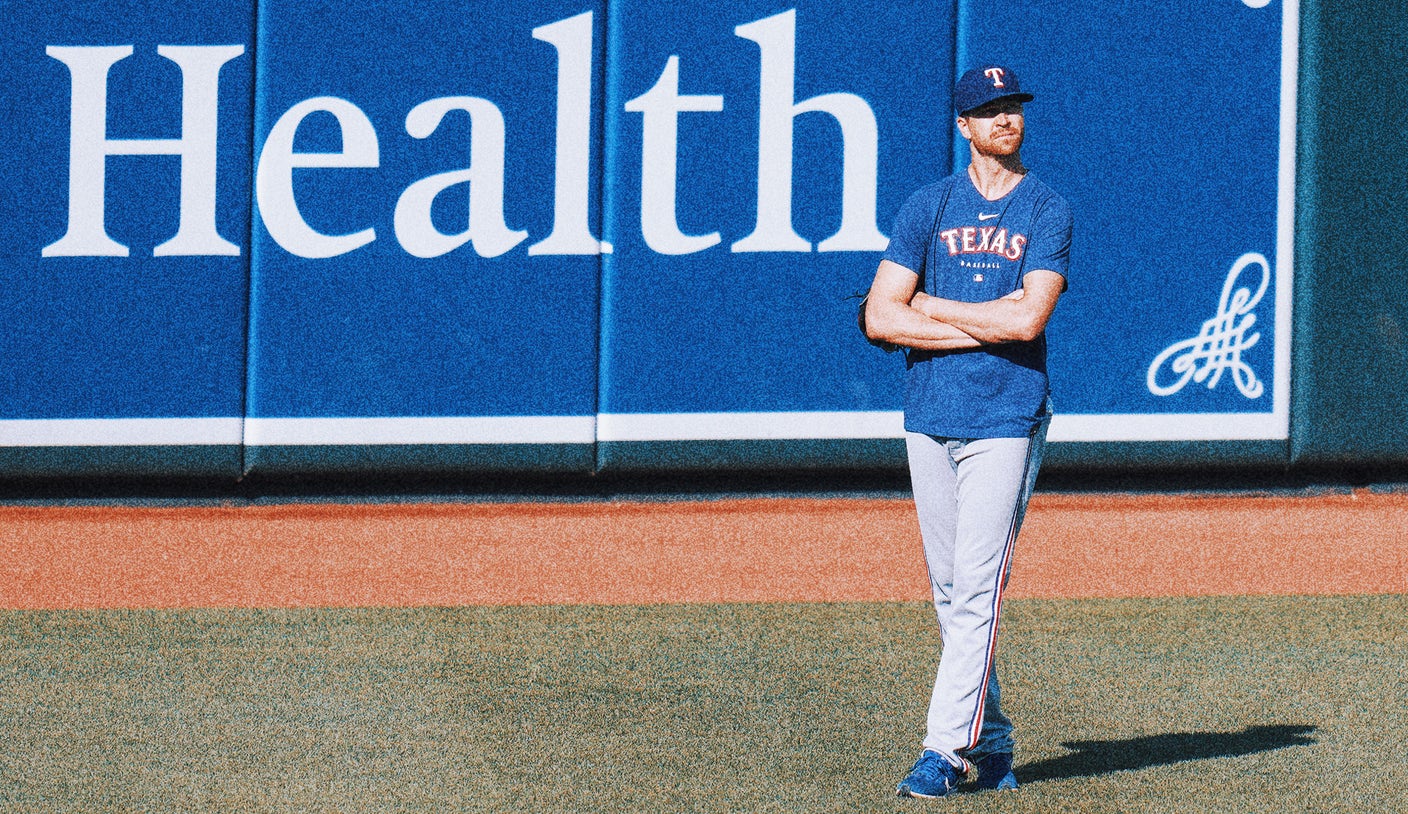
[994,129]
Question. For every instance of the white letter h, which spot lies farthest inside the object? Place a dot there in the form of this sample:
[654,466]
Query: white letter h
[89,147]
[776,37]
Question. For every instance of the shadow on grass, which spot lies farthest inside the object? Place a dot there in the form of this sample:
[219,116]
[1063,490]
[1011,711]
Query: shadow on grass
[1102,757]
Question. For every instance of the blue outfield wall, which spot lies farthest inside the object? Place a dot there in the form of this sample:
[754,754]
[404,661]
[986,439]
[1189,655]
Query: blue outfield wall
[727,340]
[123,293]
[425,265]
[449,239]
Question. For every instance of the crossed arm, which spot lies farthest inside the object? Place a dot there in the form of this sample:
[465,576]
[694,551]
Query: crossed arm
[897,312]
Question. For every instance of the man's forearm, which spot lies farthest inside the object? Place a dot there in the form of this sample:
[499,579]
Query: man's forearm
[991,322]
[903,325]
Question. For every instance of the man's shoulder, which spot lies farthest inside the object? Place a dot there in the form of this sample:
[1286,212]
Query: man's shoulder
[934,190]
[1043,196]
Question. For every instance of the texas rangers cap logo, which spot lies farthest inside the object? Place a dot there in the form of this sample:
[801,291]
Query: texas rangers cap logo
[984,84]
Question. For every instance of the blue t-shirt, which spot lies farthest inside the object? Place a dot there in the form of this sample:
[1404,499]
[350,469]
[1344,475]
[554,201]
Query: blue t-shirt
[967,248]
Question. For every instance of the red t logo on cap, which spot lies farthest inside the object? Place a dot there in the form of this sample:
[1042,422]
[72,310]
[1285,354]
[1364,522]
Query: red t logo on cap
[995,74]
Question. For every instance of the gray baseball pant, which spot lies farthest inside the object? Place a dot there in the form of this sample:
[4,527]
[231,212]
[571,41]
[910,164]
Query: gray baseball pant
[971,495]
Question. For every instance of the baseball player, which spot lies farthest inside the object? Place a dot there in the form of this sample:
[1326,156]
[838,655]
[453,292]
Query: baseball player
[970,278]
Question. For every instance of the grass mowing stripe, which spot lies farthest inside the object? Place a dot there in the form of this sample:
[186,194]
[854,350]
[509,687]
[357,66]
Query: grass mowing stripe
[1206,705]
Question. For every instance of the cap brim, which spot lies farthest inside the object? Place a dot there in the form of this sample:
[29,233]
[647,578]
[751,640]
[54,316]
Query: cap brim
[1021,97]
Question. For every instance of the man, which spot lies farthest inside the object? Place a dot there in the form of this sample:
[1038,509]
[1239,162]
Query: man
[970,278]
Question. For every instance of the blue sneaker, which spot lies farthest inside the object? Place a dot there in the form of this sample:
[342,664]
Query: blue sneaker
[931,777]
[993,773]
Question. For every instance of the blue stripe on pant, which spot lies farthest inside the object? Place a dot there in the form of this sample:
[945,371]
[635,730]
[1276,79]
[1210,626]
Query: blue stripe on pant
[971,495]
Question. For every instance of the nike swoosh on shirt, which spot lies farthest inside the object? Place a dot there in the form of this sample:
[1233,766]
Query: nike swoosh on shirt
[981,216]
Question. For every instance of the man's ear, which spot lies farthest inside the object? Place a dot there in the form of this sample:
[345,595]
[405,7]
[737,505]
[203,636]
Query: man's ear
[963,128]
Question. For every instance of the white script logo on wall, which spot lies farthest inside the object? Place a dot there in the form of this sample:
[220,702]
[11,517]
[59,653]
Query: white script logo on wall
[1218,346]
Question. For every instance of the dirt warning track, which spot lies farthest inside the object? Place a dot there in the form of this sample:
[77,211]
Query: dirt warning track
[753,550]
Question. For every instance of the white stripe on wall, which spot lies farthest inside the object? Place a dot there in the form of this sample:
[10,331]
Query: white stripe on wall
[779,426]
[1169,427]
[420,430]
[748,426]
[1285,214]
[872,425]
[120,432]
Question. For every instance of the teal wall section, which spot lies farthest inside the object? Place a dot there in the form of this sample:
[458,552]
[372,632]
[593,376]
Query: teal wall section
[1350,374]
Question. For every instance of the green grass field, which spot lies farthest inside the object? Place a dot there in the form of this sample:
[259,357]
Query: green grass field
[1207,705]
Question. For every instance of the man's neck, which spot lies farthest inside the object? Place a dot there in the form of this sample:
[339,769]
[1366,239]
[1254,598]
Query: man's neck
[995,176]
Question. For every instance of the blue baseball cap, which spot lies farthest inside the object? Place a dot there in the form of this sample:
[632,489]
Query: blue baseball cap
[984,84]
